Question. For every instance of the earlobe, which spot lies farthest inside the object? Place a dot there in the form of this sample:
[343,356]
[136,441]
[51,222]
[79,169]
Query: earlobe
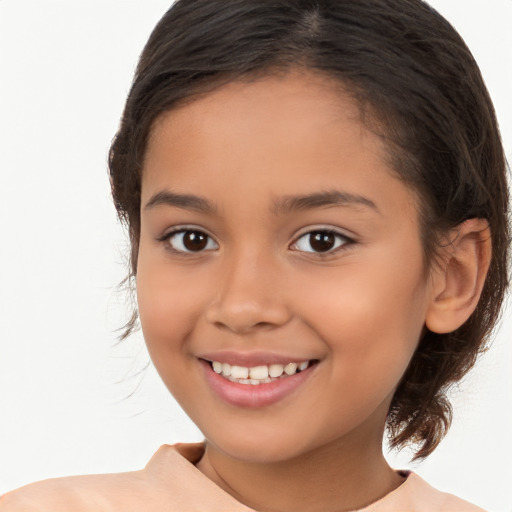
[457,284]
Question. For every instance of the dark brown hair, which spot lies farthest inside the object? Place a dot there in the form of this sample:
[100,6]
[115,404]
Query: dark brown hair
[412,72]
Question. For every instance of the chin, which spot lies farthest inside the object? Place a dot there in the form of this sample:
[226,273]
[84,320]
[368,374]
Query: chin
[256,448]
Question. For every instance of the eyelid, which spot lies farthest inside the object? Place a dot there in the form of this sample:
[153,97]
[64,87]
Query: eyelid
[349,240]
[182,229]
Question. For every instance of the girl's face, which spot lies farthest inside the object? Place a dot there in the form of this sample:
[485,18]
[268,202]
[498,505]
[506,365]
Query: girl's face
[274,233]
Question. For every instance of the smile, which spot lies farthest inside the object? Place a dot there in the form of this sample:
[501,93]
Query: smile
[256,385]
[256,375]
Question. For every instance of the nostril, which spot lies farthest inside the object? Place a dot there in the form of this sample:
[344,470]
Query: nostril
[244,325]
[247,310]
[264,325]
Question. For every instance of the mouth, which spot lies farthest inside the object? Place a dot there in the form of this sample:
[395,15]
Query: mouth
[260,374]
[256,385]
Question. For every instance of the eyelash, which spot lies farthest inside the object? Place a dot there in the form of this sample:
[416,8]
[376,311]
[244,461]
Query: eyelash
[182,230]
[342,240]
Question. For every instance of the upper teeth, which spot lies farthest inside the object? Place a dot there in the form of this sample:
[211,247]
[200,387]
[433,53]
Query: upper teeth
[262,373]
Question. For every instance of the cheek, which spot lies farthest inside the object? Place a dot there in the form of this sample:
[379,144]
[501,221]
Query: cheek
[166,302]
[168,310]
[371,329]
[370,315]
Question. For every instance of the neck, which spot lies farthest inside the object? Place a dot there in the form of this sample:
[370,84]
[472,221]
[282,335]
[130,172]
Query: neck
[344,475]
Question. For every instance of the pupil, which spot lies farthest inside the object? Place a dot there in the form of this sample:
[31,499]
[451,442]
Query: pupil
[194,241]
[322,241]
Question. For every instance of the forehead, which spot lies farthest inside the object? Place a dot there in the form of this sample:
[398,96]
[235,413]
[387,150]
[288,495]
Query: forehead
[290,133]
[276,100]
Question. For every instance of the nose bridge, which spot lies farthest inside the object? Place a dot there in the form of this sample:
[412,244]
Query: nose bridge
[249,293]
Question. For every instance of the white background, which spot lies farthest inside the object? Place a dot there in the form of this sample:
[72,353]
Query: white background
[65,404]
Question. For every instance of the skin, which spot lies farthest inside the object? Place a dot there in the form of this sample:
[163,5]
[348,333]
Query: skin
[259,286]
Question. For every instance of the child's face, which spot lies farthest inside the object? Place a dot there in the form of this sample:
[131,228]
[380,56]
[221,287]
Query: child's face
[263,275]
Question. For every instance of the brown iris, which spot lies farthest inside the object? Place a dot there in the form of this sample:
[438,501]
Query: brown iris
[322,241]
[194,240]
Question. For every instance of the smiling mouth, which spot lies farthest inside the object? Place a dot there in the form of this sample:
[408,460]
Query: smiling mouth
[261,374]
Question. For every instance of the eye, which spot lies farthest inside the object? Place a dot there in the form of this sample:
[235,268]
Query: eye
[320,241]
[189,240]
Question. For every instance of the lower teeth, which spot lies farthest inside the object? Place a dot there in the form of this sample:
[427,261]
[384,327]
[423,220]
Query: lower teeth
[254,382]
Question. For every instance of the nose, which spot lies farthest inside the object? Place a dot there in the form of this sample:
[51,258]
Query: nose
[250,297]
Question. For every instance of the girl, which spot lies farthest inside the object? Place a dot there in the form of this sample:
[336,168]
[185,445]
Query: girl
[317,206]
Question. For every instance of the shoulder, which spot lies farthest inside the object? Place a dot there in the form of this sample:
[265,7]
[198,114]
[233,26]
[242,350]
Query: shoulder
[170,481]
[77,493]
[426,498]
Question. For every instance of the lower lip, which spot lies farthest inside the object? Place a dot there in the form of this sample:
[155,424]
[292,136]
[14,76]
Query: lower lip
[253,396]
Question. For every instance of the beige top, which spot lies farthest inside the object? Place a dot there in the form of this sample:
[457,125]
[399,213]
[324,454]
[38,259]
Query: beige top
[171,483]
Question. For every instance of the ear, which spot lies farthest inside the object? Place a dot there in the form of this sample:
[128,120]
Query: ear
[458,280]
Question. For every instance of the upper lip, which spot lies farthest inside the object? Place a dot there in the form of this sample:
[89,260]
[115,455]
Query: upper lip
[250,359]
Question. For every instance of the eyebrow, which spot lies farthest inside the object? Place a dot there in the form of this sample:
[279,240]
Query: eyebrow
[281,206]
[319,200]
[183,201]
